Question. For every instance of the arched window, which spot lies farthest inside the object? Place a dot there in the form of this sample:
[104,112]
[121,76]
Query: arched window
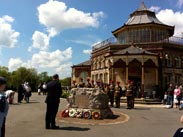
[168,60]
[84,75]
[177,62]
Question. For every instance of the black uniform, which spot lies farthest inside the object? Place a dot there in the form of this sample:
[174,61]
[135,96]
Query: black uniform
[21,91]
[118,94]
[111,95]
[54,92]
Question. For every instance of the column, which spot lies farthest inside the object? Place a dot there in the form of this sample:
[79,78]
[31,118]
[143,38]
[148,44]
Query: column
[142,84]
[156,75]
[142,88]
[126,69]
[126,74]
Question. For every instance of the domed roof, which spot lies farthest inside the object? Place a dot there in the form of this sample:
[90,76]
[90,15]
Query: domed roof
[142,15]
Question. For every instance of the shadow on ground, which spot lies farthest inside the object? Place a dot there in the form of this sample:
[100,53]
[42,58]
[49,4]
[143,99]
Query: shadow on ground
[74,128]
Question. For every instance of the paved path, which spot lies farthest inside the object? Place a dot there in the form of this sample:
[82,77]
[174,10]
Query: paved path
[27,120]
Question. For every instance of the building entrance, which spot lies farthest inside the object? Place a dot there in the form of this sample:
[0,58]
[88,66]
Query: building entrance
[137,86]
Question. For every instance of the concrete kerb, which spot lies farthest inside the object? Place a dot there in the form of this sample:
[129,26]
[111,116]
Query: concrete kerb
[121,119]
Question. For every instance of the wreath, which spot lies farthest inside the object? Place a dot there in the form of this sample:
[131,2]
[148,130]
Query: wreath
[65,113]
[72,112]
[96,115]
[87,114]
[79,113]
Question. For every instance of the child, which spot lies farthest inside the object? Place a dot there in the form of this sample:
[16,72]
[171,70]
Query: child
[3,106]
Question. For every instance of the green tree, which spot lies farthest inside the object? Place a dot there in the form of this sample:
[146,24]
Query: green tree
[66,81]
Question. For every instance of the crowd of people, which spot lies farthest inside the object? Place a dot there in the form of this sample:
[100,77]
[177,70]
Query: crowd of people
[173,96]
[113,90]
[24,92]
[53,90]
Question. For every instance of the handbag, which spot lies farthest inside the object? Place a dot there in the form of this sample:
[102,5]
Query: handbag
[178,97]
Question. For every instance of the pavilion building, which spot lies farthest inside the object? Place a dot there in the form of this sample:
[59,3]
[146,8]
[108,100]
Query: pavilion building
[143,50]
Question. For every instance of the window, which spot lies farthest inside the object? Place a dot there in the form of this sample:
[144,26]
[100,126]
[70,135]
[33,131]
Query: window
[177,79]
[168,60]
[177,62]
[167,79]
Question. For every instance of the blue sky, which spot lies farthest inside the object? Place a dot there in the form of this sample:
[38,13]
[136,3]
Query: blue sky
[53,35]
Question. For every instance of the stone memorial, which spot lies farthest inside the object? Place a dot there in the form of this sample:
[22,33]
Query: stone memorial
[92,99]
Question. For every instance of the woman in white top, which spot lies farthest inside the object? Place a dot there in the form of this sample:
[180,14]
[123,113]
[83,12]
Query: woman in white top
[177,94]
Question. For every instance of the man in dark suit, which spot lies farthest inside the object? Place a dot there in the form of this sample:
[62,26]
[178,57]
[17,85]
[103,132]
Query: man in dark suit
[54,91]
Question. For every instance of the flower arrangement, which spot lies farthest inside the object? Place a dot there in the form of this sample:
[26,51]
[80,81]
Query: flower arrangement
[81,113]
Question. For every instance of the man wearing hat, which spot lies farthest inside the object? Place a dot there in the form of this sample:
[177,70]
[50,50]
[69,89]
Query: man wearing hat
[129,95]
[88,84]
[118,94]
[74,84]
[111,93]
[81,83]
[3,106]
[54,92]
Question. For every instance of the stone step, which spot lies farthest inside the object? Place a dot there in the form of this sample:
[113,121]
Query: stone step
[143,100]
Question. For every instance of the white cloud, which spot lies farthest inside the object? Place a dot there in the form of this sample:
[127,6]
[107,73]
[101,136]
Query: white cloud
[54,59]
[64,69]
[179,3]
[87,51]
[40,41]
[14,63]
[63,17]
[8,36]
[154,8]
[82,42]
[172,18]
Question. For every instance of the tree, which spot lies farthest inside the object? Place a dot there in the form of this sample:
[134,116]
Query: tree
[66,81]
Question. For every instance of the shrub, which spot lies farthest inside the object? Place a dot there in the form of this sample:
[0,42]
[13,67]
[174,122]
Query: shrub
[65,95]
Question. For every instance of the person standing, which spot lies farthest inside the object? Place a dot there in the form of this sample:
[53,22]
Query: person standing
[81,83]
[111,93]
[129,95]
[54,92]
[170,92]
[27,93]
[118,94]
[21,91]
[44,88]
[74,85]
[3,106]
[177,96]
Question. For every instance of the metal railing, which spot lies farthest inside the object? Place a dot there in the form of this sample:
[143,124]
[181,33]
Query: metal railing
[113,40]
[106,42]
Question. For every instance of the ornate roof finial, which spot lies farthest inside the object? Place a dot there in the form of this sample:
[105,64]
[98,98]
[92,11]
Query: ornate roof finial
[142,6]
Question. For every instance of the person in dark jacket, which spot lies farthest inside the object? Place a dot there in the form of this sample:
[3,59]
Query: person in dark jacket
[170,92]
[54,92]
[118,94]
[4,107]
[21,91]
[179,131]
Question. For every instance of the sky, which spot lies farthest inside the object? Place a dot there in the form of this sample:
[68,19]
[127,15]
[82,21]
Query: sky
[53,35]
